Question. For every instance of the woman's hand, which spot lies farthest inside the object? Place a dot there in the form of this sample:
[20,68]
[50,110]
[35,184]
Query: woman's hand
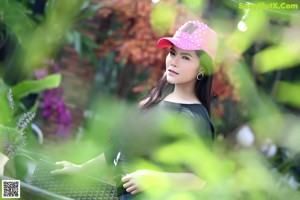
[68,168]
[144,179]
[137,181]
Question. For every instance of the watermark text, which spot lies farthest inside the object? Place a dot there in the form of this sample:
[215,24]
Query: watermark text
[272,5]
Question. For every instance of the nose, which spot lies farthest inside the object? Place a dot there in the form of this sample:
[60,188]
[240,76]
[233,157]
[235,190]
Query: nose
[174,61]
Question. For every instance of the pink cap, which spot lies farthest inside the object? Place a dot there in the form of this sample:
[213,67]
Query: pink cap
[193,35]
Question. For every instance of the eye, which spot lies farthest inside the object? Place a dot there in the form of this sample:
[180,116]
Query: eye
[172,53]
[185,57]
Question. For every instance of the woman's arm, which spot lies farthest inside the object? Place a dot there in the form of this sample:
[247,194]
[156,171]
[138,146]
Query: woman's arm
[144,179]
[97,163]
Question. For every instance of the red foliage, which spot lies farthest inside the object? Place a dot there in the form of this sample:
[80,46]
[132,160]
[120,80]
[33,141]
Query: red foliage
[134,40]
[222,88]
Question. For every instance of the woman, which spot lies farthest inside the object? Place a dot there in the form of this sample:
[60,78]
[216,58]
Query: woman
[185,88]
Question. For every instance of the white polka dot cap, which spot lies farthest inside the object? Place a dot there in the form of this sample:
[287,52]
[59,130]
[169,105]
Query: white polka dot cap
[193,35]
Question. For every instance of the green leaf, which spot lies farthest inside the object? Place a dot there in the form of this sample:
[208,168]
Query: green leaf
[77,41]
[26,87]
[89,12]
[162,17]
[5,114]
[257,24]
[277,57]
[3,86]
[288,93]
[89,43]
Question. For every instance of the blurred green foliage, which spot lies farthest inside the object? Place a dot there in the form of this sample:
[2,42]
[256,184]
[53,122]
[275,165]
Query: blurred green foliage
[26,43]
[163,24]
[283,56]
[34,42]
[20,91]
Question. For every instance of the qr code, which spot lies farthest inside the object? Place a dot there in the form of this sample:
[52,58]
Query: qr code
[10,189]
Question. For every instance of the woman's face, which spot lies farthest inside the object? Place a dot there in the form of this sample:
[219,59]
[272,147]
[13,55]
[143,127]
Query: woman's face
[182,66]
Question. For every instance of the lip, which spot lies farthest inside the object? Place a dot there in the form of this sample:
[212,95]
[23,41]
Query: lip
[171,72]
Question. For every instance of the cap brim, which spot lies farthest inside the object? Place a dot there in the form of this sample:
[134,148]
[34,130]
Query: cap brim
[164,42]
[169,41]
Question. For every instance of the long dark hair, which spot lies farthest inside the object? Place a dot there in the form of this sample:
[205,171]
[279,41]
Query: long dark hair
[202,87]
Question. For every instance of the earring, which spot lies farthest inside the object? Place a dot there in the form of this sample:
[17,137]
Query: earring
[200,76]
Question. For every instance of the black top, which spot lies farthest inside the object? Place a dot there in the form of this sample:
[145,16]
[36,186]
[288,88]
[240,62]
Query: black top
[197,112]
[139,135]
